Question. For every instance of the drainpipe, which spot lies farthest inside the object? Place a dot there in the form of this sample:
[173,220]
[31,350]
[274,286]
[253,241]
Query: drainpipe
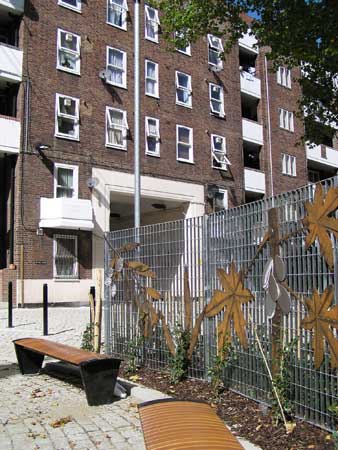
[269,124]
[11,237]
[4,214]
[137,193]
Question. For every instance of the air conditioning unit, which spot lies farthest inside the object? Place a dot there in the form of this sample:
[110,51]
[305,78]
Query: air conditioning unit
[69,37]
[67,102]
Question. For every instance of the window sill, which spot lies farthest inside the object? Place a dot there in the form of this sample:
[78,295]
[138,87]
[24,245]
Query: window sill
[223,117]
[219,168]
[63,69]
[67,280]
[117,85]
[288,175]
[183,53]
[156,155]
[157,97]
[69,138]
[214,67]
[185,161]
[155,41]
[184,105]
[116,26]
[116,147]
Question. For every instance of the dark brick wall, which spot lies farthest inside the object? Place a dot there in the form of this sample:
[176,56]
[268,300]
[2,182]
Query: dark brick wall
[39,39]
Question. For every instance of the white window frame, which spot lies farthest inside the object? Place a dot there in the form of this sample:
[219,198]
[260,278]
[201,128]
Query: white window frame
[124,8]
[284,77]
[76,8]
[219,155]
[289,165]
[75,170]
[124,128]
[190,145]
[221,101]
[76,118]
[75,263]
[156,79]
[184,89]
[76,53]
[187,50]
[156,136]
[215,48]
[156,23]
[225,199]
[286,120]
[111,67]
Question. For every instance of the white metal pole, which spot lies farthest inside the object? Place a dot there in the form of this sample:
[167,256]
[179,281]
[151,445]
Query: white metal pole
[137,183]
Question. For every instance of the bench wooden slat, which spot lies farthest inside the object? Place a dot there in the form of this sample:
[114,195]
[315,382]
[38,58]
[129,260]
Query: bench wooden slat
[182,425]
[55,350]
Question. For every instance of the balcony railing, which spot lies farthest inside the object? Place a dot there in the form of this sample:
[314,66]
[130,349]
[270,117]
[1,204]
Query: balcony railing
[15,6]
[248,42]
[322,154]
[254,181]
[250,84]
[10,63]
[66,213]
[10,129]
[252,131]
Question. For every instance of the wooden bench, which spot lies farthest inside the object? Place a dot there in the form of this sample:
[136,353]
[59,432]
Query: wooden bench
[98,372]
[170,424]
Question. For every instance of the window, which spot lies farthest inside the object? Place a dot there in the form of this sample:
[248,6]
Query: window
[71,4]
[65,181]
[220,199]
[215,48]
[117,13]
[152,79]
[116,128]
[284,77]
[68,51]
[218,152]
[152,136]
[288,165]
[216,100]
[67,117]
[184,144]
[65,256]
[186,50]
[183,89]
[286,119]
[116,67]
[152,23]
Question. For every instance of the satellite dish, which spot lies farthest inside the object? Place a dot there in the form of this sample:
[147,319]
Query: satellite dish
[92,182]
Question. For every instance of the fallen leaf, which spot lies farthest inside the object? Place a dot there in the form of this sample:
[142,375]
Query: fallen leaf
[134,378]
[290,426]
[61,422]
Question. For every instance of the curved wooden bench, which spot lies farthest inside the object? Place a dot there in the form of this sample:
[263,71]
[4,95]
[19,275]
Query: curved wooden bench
[170,424]
[98,372]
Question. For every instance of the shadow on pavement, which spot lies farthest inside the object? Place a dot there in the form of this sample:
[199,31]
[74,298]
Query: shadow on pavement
[8,370]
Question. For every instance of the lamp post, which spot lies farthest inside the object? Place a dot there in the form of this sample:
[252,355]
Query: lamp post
[137,177]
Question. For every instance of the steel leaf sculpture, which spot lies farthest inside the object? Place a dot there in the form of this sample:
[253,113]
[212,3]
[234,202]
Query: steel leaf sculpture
[320,224]
[321,318]
[233,296]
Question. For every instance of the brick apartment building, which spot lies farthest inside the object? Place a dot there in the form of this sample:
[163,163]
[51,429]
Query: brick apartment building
[214,135]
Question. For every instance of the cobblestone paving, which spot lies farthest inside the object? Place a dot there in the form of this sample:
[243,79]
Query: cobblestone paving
[31,406]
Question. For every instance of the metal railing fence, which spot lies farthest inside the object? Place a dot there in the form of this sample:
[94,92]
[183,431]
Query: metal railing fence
[203,244]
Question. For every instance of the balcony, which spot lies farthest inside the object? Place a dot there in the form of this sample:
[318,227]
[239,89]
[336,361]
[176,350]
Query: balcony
[252,131]
[254,181]
[66,213]
[10,130]
[10,63]
[14,6]
[250,85]
[248,42]
[323,155]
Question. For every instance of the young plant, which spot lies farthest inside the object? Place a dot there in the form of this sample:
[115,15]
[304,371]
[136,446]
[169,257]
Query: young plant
[134,350]
[221,362]
[87,338]
[179,362]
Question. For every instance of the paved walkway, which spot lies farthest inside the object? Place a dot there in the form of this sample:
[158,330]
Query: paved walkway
[43,412]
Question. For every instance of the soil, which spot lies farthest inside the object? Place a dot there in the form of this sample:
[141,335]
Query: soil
[245,417]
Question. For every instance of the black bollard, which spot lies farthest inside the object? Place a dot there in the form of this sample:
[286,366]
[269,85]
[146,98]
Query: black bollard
[92,293]
[10,305]
[45,310]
